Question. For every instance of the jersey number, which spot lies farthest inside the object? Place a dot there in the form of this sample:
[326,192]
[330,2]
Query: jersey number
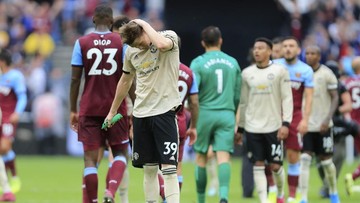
[219,74]
[355,94]
[276,150]
[95,70]
[170,147]
[183,88]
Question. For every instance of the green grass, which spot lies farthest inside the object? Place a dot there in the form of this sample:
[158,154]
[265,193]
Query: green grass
[58,179]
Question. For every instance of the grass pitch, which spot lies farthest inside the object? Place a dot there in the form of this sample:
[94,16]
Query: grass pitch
[57,179]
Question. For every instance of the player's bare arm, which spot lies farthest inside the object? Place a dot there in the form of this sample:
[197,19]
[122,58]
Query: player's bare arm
[334,104]
[76,74]
[161,42]
[194,109]
[303,125]
[122,90]
[346,107]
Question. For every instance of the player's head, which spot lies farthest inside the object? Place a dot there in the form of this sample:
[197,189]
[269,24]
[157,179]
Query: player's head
[262,50]
[103,15]
[5,58]
[211,37]
[312,55]
[291,48]
[118,22]
[334,67]
[277,50]
[134,35]
[355,64]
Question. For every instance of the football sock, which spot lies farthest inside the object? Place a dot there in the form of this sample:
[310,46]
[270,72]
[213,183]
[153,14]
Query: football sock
[269,176]
[305,162]
[123,187]
[224,180]
[4,183]
[330,174]
[280,181]
[85,198]
[91,183]
[161,186]
[201,179]
[151,183]
[180,179]
[116,172]
[260,182]
[293,178]
[171,183]
[356,173]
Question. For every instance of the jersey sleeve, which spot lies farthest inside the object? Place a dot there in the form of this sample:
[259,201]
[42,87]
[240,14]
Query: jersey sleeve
[20,91]
[237,86]
[286,96]
[76,59]
[128,67]
[194,86]
[194,67]
[308,78]
[332,82]
[243,100]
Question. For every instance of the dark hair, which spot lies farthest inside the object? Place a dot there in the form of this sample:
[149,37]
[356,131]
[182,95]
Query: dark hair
[103,15]
[130,32]
[5,55]
[211,36]
[277,40]
[292,38]
[265,40]
[120,21]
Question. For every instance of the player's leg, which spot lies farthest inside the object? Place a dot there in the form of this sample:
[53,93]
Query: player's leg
[118,139]
[305,162]
[274,156]
[201,146]
[89,133]
[292,145]
[4,183]
[223,145]
[211,168]
[144,154]
[247,175]
[181,118]
[324,148]
[272,188]
[256,151]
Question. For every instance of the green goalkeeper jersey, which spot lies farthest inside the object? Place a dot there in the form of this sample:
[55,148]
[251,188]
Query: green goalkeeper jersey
[218,76]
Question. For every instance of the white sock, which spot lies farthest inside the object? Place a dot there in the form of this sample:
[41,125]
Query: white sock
[171,184]
[279,177]
[123,187]
[260,182]
[151,183]
[330,174]
[305,162]
[4,183]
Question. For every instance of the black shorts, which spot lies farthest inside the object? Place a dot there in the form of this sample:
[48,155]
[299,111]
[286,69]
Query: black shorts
[320,144]
[264,146]
[156,140]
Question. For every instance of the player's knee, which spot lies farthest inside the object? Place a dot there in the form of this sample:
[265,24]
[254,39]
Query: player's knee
[305,159]
[150,169]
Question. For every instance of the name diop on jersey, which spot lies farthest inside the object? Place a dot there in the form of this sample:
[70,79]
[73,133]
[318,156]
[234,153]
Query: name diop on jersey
[183,74]
[217,61]
[103,42]
[352,83]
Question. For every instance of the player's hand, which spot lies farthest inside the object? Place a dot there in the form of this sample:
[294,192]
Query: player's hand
[192,133]
[14,118]
[302,128]
[108,118]
[74,121]
[283,133]
[238,138]
[139,22]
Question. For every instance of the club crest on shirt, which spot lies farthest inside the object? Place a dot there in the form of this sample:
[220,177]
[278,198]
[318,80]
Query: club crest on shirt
[271,76]
[298,75]
[135,156]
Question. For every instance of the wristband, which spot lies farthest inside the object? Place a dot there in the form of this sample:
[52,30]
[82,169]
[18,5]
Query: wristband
[240,129]
[286,124]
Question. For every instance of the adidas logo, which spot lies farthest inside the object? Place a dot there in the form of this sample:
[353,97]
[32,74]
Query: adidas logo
[172,158]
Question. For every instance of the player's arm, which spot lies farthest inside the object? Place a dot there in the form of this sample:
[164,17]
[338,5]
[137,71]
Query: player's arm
[193,100]
[161,42]
[287,104]
[237,88]
[122,90]
[20,91]
[308,94]
[332,88]
[346,107]
[242,109]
